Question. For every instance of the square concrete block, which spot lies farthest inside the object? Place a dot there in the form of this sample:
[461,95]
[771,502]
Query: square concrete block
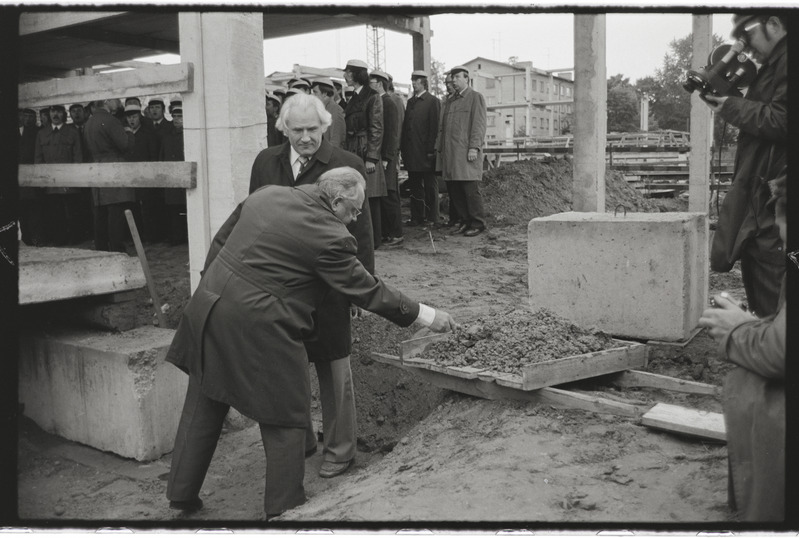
[52,274]
[111,391]
[639,275]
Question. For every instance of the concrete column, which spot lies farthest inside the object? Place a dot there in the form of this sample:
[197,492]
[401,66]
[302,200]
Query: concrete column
[224,118]
[421,46]
[590,113]
[701,122]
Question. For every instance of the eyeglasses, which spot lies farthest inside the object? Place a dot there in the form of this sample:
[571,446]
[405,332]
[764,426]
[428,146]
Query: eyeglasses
[355,211]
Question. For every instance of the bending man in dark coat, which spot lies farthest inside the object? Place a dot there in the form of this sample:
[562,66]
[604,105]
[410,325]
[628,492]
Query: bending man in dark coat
[304,121]
[241,335]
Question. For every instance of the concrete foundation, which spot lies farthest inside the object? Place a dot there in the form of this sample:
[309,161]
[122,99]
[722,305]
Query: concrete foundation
[640,275]
[52,274]
[111,391]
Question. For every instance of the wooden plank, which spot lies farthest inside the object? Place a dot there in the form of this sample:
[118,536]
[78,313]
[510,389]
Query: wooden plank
[155,80]
[34,23]
[179,175]
[635,378]
[674,418]
[556,372]
[492,391]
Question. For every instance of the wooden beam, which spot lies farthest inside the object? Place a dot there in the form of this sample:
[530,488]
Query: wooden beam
[634,378]
[159,79]
[34,23]
[100,35]
[674,418]
[492,391]
[181,175]
[398,23]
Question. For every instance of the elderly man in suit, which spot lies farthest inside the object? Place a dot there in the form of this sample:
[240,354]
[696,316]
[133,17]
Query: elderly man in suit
[241,336]
[304,120]
[419,131]
[336,134]
[460,151]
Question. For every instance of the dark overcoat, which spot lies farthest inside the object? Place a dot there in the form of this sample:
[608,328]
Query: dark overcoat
[336,134]
[462,127]
[419,131]
[754,416]
[58,146]
[109,143]
[241,334]
[172,150]
[273,167]
[364,118]
[389,151]
[762,120]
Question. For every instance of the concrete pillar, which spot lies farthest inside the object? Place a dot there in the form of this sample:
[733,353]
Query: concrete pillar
[590,113]
[701,122]
[224,118]
[421,46]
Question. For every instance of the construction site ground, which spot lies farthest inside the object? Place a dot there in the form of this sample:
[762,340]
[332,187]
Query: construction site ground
[428,456]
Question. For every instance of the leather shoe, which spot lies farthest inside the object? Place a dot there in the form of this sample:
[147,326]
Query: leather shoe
[192,505]
[394,242]
[461,229]
[474,231]
[330,469]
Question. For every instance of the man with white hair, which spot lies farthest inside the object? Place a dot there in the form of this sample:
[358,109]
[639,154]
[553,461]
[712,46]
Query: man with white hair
[304,121]
[241,336]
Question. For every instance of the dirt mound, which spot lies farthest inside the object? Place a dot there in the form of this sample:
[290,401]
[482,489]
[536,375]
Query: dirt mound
[516,192]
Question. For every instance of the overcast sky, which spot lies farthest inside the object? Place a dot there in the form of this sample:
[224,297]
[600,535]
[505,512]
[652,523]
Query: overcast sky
[636,43]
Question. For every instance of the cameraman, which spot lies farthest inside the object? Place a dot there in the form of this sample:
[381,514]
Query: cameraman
[746,231]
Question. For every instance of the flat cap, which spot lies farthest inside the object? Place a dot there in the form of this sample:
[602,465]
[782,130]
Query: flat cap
[293,91]
[419,73]
[280,92]
[177,111]
[274,97]
[28,111]
[75,105]
[175,104]
[740,21]
[379,74]
[357,63]
[152,102]
[132,109]
[458,68]
[58,107]
[300,83]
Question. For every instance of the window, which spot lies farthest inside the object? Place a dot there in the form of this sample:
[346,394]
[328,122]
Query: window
[492,121]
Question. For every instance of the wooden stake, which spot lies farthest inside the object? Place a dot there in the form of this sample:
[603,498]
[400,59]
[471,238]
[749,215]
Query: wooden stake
[134,232]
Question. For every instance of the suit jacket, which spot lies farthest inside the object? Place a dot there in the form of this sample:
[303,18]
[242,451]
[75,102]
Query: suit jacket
[462,127]
[273,167]
[364,118]
[58,146]
[336,134]
[419,131]
[241,334]
[109,143]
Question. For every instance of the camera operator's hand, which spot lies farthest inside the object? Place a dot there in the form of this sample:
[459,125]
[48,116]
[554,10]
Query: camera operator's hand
[714,102]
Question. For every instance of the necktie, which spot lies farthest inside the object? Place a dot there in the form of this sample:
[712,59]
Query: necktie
[303,163]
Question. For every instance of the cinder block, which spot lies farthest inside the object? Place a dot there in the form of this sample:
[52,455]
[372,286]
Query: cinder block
[639,275]
[52,274]
[111,391]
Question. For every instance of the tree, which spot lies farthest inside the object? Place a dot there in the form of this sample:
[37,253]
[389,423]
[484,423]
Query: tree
[622,105]
[436,78]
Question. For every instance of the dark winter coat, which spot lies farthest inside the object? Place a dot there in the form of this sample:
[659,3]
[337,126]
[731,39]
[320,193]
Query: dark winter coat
[762,120]
[241,334]
[389,151]
[336,134]
[419,131]
[58,146]
[273,167]
[172,150]
[364,118]
[109,143]
[754,414]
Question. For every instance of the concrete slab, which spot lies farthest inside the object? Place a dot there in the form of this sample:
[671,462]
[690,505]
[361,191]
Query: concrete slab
[639,275]
[111,391]
[52,274]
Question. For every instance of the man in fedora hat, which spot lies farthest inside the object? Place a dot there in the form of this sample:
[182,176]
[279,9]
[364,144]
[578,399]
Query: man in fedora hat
[746,231]
[364,118]
[460,151]
[419,131]
[324,89]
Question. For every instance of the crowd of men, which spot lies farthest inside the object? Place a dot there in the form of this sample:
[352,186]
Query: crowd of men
[102,131]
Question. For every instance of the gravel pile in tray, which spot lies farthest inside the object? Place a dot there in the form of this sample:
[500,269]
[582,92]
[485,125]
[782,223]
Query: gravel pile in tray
[508,342]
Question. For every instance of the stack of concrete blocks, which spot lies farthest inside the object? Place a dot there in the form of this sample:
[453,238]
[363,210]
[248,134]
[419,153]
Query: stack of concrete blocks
[109,390]
[635,275]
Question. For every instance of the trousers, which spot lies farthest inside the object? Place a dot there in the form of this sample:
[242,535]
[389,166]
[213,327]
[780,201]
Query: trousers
[468,201]
[424,196]
[338,411]
[198,434]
